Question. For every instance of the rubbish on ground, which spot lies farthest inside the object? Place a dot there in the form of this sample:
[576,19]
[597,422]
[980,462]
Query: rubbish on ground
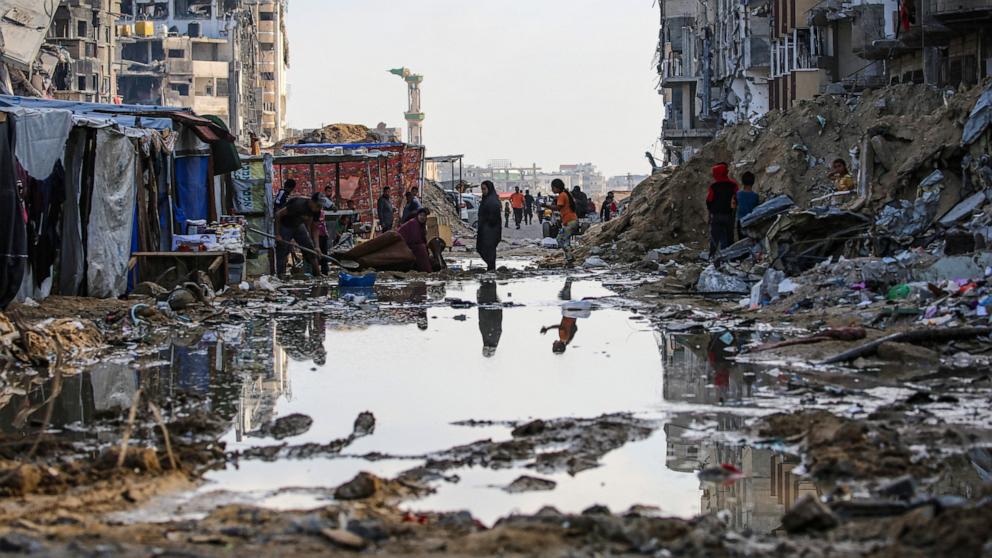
[712,280]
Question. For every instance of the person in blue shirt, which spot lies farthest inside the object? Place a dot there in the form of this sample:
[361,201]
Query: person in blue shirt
[747,200]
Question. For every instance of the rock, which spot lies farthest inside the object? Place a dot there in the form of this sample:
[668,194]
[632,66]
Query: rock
[344,539]
[809,514]
[369,529]
[288,426]
[530,484]
[907,353]
[594,261]
[903,488]
[364,424]
[20,480]
[150,288]
[530,429]
[16,542]
[364,485]
[180,299]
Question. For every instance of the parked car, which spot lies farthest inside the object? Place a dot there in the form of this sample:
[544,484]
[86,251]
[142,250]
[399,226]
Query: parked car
[469,210]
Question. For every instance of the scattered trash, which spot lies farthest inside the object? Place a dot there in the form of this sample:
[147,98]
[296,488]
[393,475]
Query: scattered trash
[712,280]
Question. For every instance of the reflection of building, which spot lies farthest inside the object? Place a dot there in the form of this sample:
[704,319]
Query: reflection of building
[766,492]
[263,385]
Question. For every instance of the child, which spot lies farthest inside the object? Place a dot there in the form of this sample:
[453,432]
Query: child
[747,200]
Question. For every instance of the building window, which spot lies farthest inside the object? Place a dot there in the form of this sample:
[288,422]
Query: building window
[81,83]
[267,16]
[181,88]
[81,29]
[177,53]
[269,76]
[222,87]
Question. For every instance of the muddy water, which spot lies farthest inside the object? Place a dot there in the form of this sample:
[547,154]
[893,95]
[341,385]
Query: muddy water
[441,364]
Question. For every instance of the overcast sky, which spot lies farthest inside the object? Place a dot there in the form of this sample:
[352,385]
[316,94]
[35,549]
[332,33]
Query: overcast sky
[533,81]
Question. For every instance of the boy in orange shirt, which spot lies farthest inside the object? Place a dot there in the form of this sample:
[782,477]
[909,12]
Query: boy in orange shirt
[569,220]
[517,201]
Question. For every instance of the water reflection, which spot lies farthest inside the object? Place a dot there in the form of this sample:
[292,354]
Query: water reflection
[698,369]
[490,317]
[571,312]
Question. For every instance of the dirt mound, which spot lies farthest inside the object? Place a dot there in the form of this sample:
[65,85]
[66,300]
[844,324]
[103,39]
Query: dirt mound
[434,199]
[910,130]
[340,133]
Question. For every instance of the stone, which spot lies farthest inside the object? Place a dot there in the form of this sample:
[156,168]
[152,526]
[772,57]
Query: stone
[364,485]
[809,514]
[364,424]
[529,429]
[150,288]
[344,539]
[907,353]
[527,483]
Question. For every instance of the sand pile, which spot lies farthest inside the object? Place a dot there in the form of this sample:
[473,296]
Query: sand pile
[908,131]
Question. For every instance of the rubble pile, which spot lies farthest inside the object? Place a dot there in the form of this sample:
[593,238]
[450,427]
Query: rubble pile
[47,341]
[892,138]
[339,133]
[434,199]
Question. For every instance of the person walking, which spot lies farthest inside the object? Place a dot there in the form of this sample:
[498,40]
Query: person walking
[721,199]
[489,232]
[747,200]
[528,207]
[569,220]
[325,240]
[506,214]
[517,203]
[385,210]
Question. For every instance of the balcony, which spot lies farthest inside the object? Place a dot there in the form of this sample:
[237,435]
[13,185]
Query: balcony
[674,72]
[677,128]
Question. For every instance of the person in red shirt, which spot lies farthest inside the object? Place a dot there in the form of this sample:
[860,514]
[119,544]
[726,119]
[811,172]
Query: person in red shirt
[517,201]
[569,219]
[721,200]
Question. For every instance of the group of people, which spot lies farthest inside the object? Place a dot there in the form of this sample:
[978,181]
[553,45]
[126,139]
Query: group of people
[303,221]
[728,203]
[490,231]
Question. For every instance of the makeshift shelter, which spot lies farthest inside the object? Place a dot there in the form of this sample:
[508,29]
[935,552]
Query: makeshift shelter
[357,172]
[88,190]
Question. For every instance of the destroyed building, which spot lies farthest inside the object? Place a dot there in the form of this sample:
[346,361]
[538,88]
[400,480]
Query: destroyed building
[722,63]
[213,56]
[63,50]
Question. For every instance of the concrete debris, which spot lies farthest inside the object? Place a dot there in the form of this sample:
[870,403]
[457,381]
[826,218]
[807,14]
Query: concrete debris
[712,280]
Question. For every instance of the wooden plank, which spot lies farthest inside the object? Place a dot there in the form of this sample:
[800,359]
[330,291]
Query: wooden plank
[215,265]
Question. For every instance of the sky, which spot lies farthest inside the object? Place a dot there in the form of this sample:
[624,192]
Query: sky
[533,81]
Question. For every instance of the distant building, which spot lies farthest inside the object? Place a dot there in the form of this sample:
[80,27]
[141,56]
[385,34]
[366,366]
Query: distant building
[625,182]
[218,57]
[77,61]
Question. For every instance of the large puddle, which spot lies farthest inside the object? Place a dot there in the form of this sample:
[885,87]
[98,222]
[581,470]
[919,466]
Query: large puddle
[514,350]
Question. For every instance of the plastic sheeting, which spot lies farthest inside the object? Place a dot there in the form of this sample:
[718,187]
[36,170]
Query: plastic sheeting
[979,119]
[112,215]
[192,190]
[41,137]
[72,267]
[253,197]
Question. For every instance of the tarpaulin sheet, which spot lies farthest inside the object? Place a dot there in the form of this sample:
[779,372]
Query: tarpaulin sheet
[111,216]
[253,198]
[400,170]
[193,200]
[95,110]
[41,139]
[73,256]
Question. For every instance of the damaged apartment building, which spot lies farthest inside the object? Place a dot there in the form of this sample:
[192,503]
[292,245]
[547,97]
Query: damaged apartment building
[60,49]
[721,61]
[217,57]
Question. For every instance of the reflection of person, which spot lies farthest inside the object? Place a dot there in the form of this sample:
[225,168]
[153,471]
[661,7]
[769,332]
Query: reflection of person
[717,358]
[490,319]
[490,231]
[414,233]
[571,311]
[302,337]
